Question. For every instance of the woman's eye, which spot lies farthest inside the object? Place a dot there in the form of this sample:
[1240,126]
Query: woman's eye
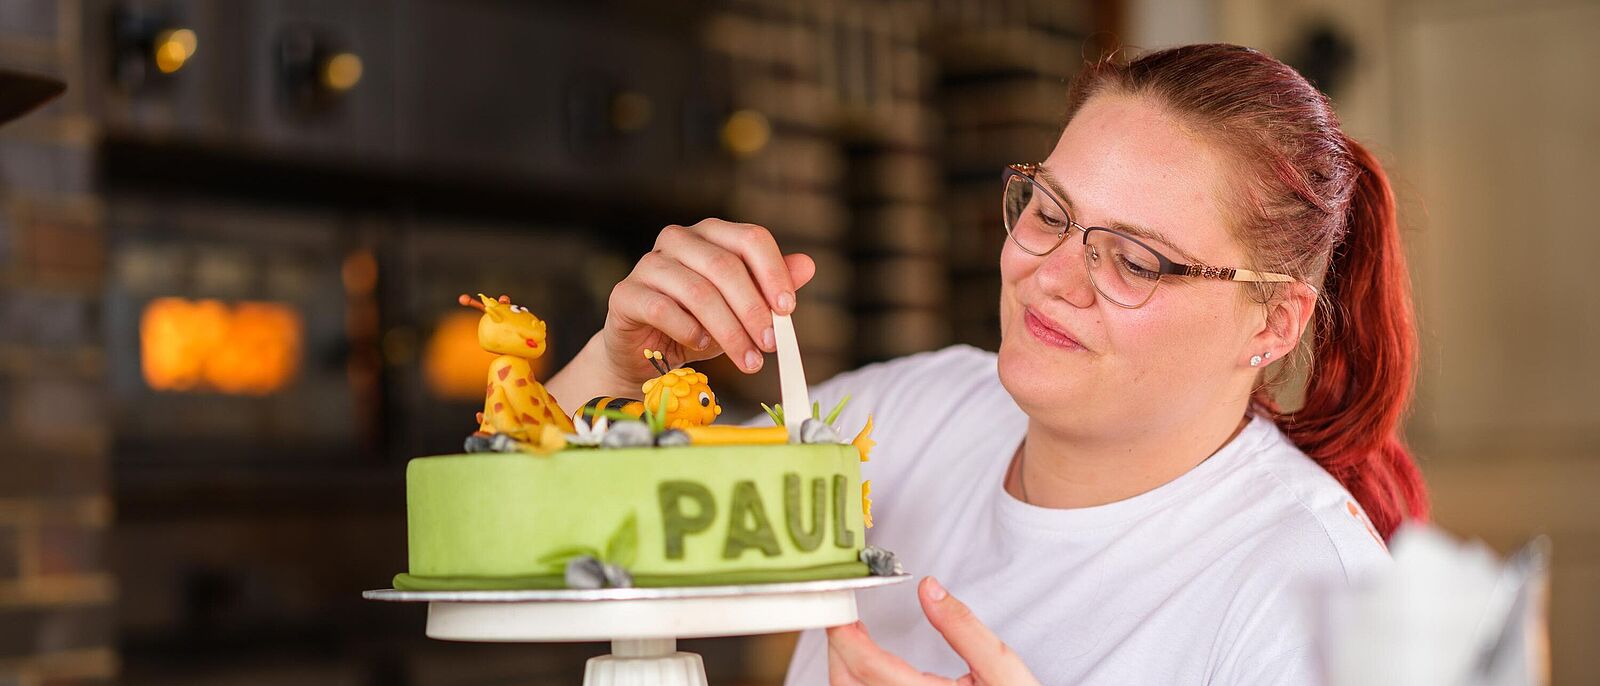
[1136,269]
[1049,219]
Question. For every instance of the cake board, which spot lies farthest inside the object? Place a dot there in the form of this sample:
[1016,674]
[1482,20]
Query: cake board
[642,624]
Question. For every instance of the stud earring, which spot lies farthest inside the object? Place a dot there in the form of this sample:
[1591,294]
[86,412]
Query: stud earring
[1255,360]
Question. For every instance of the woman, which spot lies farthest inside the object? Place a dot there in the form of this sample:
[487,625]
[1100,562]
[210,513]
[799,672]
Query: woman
[1115,494]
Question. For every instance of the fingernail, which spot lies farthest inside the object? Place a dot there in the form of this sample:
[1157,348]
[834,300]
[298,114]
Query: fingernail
[752,361]
[705,342]
[936,592]
[785,302]
[769,341]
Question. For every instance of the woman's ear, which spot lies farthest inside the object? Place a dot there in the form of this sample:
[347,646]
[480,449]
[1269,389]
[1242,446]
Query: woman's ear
[1288,315]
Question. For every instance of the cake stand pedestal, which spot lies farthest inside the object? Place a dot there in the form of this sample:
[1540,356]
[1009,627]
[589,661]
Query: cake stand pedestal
[642,624]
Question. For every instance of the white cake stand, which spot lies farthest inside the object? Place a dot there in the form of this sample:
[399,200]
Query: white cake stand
[642,624]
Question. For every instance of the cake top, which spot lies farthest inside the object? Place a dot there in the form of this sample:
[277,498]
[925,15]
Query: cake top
[676,408]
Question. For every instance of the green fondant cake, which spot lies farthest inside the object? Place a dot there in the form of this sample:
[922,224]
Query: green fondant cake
[681,516]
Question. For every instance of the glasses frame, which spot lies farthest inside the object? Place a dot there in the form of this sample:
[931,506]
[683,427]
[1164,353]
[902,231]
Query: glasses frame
[1169,267]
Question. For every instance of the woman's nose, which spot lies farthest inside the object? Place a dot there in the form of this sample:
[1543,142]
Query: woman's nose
[1064,273]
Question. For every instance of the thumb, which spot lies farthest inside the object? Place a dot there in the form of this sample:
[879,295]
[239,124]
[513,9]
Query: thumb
[991,660]
[801,268]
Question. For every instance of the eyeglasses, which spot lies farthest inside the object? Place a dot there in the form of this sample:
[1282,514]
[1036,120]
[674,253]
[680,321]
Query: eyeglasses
[1122,268]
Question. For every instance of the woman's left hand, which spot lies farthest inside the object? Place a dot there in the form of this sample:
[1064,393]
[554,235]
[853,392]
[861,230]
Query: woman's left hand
[855,660]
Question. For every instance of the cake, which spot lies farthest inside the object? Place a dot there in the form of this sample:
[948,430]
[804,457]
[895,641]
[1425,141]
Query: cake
[631,492]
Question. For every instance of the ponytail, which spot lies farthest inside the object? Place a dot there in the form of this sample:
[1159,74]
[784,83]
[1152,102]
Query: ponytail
[1365,360]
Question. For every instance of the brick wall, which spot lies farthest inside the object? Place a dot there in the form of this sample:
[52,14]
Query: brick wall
[56,597]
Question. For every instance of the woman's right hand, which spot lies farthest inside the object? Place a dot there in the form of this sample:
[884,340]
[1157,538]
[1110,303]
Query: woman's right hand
[704,290]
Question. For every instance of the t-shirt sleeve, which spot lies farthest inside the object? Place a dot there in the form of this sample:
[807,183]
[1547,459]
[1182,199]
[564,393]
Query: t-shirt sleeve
[1267,635]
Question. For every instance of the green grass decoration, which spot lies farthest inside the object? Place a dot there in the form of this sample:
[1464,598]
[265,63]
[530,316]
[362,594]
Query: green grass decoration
[657,420]
[608,413]
[624,544]
[775,412]
[837,409]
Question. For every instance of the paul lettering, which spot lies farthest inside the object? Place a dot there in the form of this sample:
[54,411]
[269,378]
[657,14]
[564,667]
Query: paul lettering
[687,508]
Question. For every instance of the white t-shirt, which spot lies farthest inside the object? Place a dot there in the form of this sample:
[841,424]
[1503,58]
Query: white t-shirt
[1208,579]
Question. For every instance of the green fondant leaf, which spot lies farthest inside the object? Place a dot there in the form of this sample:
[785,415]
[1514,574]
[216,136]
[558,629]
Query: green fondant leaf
[560,557]
[816,409]
[623,547]
[775,412]
[836,410]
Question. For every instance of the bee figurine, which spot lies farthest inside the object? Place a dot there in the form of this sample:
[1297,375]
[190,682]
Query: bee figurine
[515,406]
[689,399]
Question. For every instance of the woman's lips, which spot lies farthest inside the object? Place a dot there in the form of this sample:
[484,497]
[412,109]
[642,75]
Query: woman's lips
[1046,332]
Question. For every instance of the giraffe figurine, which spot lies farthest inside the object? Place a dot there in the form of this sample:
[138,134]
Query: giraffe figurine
[518,414]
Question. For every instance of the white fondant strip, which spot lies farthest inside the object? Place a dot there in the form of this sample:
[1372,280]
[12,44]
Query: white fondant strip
[791,376]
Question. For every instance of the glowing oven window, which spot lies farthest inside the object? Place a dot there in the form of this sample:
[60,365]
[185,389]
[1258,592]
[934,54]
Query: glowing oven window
[242,348]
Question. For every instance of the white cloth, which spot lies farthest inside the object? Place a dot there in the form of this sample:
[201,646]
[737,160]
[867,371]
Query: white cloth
[1208,579]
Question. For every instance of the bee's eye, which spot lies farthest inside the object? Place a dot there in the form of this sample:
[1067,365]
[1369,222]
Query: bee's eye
[705,399]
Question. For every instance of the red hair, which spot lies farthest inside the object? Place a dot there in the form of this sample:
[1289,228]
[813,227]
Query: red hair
[1316,205]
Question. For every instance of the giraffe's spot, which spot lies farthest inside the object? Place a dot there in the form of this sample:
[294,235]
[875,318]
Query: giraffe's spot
[504,372]
[536,401]
[499,407]
[528,419]
[522,382]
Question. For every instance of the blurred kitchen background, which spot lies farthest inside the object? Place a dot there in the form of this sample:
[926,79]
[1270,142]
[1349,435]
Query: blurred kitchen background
[229,258]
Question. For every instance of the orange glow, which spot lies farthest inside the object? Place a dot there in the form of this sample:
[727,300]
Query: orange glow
[454,366]
[746,132]
[173,49]
[249,348]
[359,273]
[342,72]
